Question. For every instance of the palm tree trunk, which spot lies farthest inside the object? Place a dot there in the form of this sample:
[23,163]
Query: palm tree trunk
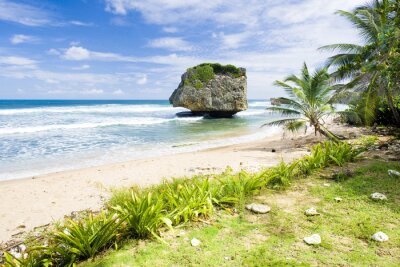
[393,109]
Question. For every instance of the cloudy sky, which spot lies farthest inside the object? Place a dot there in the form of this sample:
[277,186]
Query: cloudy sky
[137,49]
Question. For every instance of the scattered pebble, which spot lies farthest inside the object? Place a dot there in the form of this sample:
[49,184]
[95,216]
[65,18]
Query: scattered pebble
[22,247]
[195,242]
[311,212]
[338,199]
[258,208]
[314,239]
[393,173]
[327,185]
[380,237]
[181,233]
[378,196]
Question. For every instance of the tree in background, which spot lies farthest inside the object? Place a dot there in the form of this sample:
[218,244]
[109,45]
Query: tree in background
[373,68]
[309,101]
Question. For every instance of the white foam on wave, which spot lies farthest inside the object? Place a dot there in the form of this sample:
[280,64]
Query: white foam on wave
[251,112]
[93,109]
[119,122]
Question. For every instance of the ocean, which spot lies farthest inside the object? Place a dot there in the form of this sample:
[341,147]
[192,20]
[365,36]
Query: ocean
[44,136]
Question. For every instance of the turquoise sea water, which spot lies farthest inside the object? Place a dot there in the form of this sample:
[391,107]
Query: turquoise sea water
[42,136]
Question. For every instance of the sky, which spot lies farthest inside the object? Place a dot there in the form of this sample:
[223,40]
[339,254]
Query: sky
[138,49]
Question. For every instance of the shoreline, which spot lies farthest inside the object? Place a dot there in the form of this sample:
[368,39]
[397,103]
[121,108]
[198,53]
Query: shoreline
[188,147]
[32,202]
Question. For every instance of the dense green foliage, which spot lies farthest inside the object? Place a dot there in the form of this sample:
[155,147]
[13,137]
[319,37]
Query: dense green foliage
[275,239]
[200,75]
[143,213]
[309,101]
[374,67]
[381,112]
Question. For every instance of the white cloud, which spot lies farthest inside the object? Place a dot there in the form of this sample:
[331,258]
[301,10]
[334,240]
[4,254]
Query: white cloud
[82,67]
[18,61]
[234,40]
[142,80]
[92,92]
[81,23]
[171,43]
[118,92]
[21,38]
[76,53]
[23,14]
[170,29]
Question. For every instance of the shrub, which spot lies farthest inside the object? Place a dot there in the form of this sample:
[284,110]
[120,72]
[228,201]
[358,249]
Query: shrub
[187,200]
[280,176]
[232,189]
[85,238]
[31,258]
[144,214]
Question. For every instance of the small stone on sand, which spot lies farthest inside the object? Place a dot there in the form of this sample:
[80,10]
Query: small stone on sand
[338,199]
[311,212]
[258,208]
[380,237]
[378,196]
[195,242]
[314,239]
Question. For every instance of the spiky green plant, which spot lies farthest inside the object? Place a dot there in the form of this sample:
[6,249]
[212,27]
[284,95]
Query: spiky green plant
[233,188]
[144,214]
[86,237]
[309,101]
[188,200]
[280,176]
[35,257]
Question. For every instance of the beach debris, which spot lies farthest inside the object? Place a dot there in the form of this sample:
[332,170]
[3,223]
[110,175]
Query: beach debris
[327,184]
[314,239]
[258,208]
[311,212]
[393,173]
[378,196]
[181,233]
[338,199]
[195,242]
[228,258]
[380,237]
[22,247]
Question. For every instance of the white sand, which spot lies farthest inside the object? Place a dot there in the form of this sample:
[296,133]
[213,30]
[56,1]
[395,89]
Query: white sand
[32,202]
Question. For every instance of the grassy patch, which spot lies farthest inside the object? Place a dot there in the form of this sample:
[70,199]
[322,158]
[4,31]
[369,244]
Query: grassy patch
[275,239]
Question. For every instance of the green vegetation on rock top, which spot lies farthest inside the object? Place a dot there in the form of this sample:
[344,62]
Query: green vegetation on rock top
[203,73]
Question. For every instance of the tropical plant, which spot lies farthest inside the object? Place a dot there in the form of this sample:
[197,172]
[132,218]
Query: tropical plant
[233,188]
[144,214]
[83,239]
[309,101]
[281,175]
[35,257]
[188,200]
[373,67]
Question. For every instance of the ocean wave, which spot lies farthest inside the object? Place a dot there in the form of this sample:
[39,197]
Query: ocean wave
[251,112]
[124,122]
[94,109]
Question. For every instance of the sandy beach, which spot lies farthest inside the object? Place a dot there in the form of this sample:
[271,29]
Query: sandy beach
[35,201]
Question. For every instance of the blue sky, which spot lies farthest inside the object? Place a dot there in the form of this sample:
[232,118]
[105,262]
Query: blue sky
[137,49]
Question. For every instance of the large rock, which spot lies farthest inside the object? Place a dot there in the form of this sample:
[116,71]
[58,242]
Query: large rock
[213,89]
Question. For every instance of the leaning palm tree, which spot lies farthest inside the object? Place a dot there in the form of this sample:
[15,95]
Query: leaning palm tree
[371,67]
[309,101]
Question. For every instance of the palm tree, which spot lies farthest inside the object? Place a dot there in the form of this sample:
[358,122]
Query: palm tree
[370,67]
[308,102]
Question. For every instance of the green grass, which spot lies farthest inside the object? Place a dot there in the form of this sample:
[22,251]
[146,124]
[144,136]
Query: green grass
[276,239]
